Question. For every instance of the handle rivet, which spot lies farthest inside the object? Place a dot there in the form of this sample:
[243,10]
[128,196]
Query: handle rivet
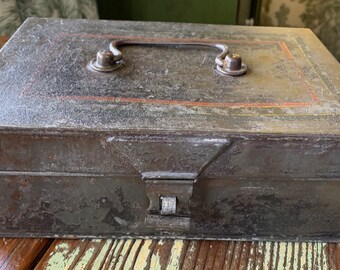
[233,61]
[232,65]
[104,62]
[105,58]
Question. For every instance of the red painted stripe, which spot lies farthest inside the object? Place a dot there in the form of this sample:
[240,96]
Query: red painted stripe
[308,87]
[285,49]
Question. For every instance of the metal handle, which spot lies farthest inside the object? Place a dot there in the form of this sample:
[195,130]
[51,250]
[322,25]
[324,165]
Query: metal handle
[109,60]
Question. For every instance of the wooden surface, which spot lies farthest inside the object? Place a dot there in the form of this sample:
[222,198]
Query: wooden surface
[148,254]
[3,40]
[165,254]
[21,253]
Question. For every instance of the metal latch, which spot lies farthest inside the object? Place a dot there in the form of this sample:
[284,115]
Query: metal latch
[169,203]
[169,167]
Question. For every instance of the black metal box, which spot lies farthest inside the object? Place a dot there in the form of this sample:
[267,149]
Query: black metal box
[156,138]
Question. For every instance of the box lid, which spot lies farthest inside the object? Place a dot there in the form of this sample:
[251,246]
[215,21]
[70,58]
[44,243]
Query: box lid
[291,87]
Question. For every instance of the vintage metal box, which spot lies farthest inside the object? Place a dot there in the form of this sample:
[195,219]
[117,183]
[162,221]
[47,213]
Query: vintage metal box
[133,129]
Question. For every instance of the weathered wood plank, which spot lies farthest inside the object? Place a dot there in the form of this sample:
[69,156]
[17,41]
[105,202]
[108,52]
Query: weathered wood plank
[178,254]
[20,253]
[64,254]
[3,40]
[220,255]
[184,254]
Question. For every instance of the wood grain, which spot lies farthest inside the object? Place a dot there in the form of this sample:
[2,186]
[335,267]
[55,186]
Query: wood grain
[185,254]
[19,254]
[3,40]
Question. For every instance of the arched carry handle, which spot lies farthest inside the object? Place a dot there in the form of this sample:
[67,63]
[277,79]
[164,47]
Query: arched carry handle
[109,60]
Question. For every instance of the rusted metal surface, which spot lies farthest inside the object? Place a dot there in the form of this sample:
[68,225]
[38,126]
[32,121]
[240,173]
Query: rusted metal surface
[184,254]
[58,187]
[292,85]
[78,149]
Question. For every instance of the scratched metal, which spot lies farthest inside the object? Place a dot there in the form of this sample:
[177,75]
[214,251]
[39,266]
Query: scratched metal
[77,147]
[292,85]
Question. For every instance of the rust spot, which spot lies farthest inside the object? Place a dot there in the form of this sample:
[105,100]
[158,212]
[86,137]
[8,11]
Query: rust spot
[16,195]
[24,183]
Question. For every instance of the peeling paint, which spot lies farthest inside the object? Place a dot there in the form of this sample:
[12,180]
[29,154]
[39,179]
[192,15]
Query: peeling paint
[109,255]
[130,260]
[155,262]
[85,258]
[251,260]
[176,252]
[303,255]
[153,254]
[274,254]
[102,254]
[142,259]
[289,255]
[267,256]
[117,253]
[121,256]
[63,257]
[282,256]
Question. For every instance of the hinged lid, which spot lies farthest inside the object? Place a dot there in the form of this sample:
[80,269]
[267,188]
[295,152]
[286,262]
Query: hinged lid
[291,86]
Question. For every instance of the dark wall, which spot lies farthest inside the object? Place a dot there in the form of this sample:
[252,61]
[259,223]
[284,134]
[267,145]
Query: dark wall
[196,11]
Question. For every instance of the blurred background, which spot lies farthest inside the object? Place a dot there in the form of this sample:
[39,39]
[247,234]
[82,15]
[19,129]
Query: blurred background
[322,16]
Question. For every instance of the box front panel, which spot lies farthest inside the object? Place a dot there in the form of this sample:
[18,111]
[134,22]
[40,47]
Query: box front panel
[220,209]
[249,187]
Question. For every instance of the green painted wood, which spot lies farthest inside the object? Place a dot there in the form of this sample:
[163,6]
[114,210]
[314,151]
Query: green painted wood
[137,254]
[195,11]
